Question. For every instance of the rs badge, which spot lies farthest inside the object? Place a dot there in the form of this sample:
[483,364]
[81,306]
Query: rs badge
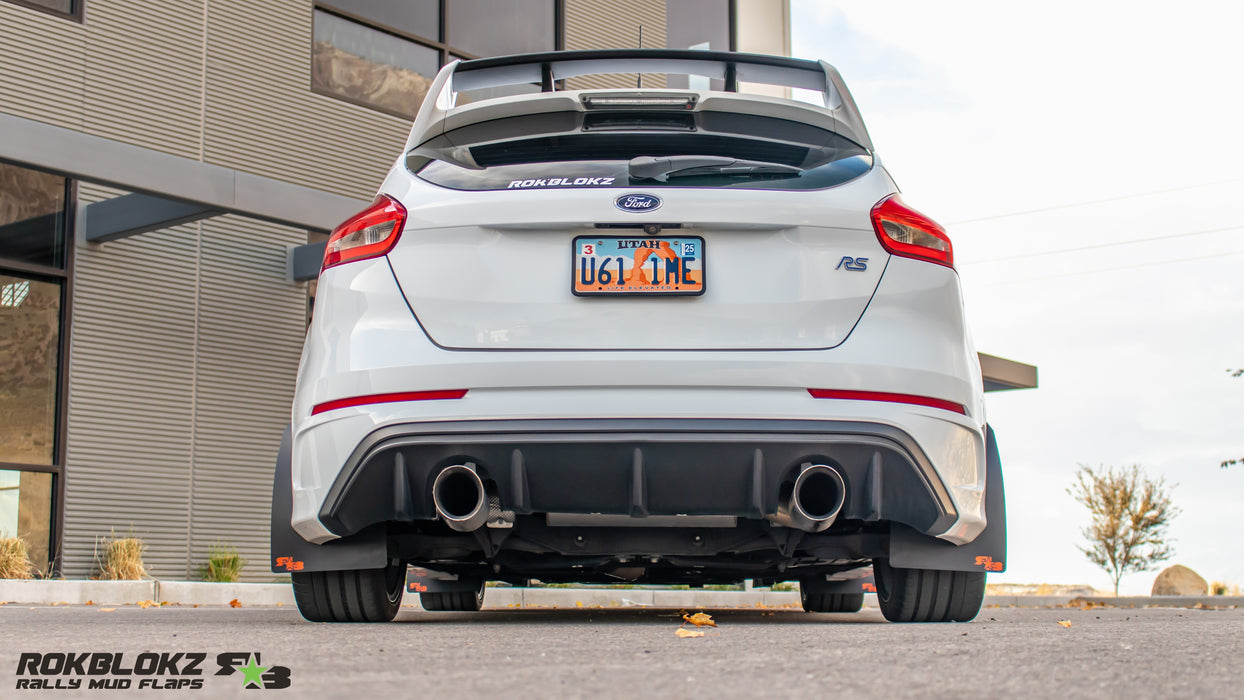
[856,264]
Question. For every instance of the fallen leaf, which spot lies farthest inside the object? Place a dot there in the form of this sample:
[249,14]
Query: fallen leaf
[280,605]
[144,604]
[234,603]
[106,609]
[1065,623]
[89,602]
[684,632]
[700,619]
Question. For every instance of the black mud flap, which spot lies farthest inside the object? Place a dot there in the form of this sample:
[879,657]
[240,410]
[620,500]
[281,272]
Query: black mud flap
[910,549]
[290,552]
[428,581]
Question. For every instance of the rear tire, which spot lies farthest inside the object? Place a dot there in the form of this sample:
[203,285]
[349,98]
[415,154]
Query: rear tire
[353,595]
[453,601]
[830,602]
[928,595]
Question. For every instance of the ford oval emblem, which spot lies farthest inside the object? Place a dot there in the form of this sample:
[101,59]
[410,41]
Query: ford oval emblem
[638,203]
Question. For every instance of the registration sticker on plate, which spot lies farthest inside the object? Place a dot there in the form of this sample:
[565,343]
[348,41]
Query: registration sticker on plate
[618,265]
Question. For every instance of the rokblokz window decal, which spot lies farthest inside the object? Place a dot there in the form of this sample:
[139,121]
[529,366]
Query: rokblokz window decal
[562,182]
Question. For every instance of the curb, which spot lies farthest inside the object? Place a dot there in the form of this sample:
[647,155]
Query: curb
[1162,601]
[43,592]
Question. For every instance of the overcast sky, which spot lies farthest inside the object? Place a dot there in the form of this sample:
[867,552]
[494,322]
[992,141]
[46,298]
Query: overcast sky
[1052,139]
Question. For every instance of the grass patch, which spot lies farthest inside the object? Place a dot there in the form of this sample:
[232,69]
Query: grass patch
[224,565]
[14,559]
[121,558]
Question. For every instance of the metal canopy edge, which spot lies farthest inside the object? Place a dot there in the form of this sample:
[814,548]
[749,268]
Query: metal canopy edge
[1002,374]
[160,175]
[131,214]
[306,261]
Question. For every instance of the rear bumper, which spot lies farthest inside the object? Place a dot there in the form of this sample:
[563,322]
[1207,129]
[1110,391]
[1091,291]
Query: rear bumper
[635,468]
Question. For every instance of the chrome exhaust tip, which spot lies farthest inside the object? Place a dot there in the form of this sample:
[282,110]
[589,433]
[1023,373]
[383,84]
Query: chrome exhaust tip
[813,500]
[459,496]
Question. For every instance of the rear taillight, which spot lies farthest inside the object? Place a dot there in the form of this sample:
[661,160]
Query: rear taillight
[906,232]
[368,234]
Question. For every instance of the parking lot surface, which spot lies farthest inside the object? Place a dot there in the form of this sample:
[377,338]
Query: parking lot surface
[633,652]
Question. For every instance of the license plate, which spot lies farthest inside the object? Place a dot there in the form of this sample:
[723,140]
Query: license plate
[638,265]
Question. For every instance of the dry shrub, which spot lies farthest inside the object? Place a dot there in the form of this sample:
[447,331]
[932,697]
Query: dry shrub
[14,560]
[1224,588]
[224,565]
[122,559]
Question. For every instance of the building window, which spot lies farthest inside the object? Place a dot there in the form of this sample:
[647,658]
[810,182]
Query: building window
[65,8]
[370,67]
[34,282]
[384,55]
[26,512]
[29,356]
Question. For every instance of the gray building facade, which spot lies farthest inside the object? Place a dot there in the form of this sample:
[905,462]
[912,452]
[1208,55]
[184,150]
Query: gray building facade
[149,341]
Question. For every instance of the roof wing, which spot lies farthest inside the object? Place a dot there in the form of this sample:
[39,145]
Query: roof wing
[733,68]
[545,69]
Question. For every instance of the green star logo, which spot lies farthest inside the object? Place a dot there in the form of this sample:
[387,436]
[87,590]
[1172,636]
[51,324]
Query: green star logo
[252,672]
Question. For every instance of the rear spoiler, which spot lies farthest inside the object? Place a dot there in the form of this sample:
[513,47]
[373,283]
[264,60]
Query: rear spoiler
[546,69]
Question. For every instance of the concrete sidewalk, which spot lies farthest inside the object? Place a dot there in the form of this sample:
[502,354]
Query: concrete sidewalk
[42,592]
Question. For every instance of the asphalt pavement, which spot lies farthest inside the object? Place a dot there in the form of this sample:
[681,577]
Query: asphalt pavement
[626,652]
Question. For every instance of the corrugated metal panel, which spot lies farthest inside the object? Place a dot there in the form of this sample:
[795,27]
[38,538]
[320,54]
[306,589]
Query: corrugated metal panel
[131,408]
[263,118]
[614,24]
[251,328]
[185,346]
[144,73]
[41,66]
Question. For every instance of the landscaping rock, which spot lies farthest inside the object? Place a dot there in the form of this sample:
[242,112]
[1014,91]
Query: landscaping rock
[1179,580]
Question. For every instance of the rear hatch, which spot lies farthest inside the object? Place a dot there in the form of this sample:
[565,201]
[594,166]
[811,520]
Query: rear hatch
[638,231]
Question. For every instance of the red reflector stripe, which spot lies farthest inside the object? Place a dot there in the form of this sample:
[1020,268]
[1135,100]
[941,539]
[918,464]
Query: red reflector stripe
[389,398]
[886,396]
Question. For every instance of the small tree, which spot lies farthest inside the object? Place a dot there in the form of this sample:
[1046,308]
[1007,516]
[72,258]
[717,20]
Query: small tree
[1237,373]
[1131,514]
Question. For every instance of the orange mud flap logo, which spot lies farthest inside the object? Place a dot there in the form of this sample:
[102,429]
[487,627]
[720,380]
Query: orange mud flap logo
[869,587]
[989,564]
[289,564]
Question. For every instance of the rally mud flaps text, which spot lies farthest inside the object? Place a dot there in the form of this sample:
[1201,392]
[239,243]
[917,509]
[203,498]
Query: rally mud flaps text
[145,671]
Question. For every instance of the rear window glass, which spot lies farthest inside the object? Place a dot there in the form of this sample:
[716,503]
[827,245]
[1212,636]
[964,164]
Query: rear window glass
[593,148]
[567,174]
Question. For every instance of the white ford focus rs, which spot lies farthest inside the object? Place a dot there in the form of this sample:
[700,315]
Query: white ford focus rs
[658,335]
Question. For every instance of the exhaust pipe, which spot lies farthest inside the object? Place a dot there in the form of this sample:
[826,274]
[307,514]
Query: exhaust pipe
[813,500]
[459,496]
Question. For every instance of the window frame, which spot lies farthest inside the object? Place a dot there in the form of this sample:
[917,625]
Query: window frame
[77,14]
[63,277]
[444,51]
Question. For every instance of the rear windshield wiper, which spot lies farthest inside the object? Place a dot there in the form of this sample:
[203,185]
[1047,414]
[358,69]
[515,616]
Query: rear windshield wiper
[661,169]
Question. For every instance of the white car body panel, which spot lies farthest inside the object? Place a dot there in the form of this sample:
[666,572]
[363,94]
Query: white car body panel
[364,340]
[488,269]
